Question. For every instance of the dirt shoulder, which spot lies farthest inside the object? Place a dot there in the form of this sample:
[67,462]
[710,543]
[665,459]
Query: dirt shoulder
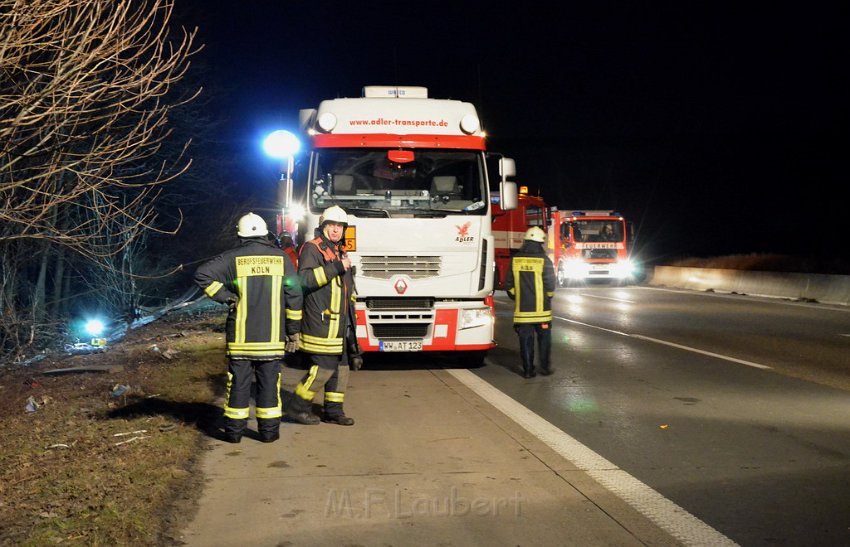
[103,448]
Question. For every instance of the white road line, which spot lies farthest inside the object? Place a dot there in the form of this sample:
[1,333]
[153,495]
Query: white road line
[615,299]
[671,344]
[703,352]
[670,517]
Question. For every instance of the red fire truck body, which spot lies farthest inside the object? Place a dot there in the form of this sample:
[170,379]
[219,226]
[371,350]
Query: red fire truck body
[509,228]
[590,245]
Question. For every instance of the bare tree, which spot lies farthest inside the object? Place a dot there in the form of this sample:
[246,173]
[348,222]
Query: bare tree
[86,89]
[83,115]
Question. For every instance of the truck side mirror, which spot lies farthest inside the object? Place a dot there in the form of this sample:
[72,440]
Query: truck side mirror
[507,189]
[507,168]
[508,195]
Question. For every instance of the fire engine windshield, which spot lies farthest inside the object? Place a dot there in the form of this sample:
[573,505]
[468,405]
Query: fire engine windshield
[597,231]
[382,182]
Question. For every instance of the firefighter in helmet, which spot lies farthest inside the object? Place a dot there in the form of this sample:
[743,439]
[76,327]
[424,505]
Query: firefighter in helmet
[259,283]
[286,243]
[327,282]
[530,283]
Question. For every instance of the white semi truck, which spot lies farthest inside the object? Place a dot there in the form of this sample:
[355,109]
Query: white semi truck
[411,173]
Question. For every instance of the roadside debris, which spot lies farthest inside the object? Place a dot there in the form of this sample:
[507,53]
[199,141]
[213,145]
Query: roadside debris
[34,404]
[83,348]
[119,390]
[89,368]
[139,435]
[137,432]
[168,353]
[132,439]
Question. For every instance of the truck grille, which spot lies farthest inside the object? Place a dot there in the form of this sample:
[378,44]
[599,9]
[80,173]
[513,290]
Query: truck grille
[384,267]
[400,318]
[386,331]
[400,303]
[600,253]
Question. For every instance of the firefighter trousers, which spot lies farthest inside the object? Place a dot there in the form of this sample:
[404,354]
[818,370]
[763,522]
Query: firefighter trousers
[527,333]
[328,372]
[240,375]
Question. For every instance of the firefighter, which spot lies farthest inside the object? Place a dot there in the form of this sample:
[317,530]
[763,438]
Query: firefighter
[326,279]
[259,283]
[288,245]
[530,283]
[607,233]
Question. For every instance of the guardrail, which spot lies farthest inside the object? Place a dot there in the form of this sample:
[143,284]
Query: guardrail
[828,289]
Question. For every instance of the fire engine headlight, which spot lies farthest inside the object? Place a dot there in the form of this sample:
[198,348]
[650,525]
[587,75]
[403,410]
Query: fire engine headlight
[576,268]
[476,317]
[327,122]
[469,124]
[622,269]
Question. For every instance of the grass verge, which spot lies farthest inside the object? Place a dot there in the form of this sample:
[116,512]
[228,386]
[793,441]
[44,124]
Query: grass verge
[110,457]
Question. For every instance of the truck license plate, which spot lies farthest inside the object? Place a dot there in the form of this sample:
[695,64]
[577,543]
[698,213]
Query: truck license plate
[402,345]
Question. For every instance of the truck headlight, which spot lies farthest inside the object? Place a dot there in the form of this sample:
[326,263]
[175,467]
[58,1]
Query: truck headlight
[476,317]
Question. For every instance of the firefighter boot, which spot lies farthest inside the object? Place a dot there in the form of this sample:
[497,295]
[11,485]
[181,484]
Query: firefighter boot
[233,429]
[301,412]
[527,353]
[269,429]
[335,415]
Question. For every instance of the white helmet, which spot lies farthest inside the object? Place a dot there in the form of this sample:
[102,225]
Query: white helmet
[334,213]
[535,234]
[251,225]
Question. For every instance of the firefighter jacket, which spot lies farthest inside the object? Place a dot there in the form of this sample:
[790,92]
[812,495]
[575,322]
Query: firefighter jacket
[327,296]
[261,281]
[530,282]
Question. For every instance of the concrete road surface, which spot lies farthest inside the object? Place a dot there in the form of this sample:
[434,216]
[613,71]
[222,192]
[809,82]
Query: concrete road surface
[429,462]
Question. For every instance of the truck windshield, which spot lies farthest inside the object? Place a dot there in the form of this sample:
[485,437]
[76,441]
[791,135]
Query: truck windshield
[366,182]
[593,231]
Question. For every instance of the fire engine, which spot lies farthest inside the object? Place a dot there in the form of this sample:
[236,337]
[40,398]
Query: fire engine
[411,173]
[590,245]
[509,227]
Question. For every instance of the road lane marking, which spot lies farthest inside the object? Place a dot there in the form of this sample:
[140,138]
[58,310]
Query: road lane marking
[700,351]
[600,297]
[667,515]
[671,344]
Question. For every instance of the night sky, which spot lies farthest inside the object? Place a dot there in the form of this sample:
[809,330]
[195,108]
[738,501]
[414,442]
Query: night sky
[718,128]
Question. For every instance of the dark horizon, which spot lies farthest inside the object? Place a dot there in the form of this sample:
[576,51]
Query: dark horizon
[715,128]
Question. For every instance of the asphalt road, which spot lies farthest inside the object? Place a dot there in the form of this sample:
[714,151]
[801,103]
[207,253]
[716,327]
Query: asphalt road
[735,409]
